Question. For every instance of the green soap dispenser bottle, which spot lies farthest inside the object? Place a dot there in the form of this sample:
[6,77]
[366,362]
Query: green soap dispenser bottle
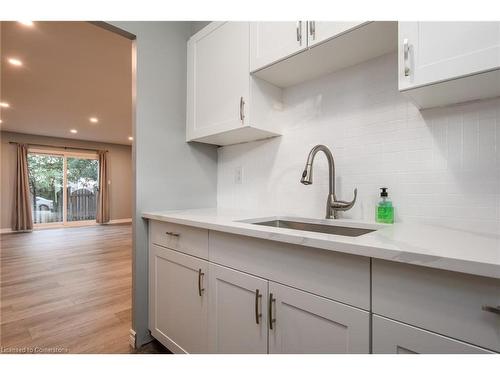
[385,211]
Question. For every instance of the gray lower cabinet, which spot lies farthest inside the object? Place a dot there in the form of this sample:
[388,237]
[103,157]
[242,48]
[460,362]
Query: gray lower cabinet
[301,322]
[391,337]
[211,292]
[241,308]
[178,303]
[449,303]
[237,312]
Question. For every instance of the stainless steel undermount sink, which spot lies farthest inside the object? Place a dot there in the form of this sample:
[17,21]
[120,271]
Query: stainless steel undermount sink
[309,226]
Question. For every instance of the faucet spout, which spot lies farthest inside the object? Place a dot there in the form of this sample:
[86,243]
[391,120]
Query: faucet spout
[332,204]
[307,175]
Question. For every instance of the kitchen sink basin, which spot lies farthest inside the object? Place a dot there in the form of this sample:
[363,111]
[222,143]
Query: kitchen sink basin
[315,227]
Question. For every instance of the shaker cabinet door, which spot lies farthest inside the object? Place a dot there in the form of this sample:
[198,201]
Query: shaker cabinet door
[218,79]
[390,337]
[300,322]
[431,52]
[274,41]
[237,312]
[178,300]
[319,31]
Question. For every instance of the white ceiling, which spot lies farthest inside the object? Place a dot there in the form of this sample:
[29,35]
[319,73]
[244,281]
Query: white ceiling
[71,71]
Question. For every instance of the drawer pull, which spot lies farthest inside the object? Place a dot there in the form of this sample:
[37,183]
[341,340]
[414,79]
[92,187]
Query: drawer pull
[312,29]
[257,314]
[492,309]
[242,109]
[271,319]
[299,32]
[172,234]
[200,287]
[406,57]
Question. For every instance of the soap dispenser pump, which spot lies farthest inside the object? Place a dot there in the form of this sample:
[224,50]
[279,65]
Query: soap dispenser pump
[385,211]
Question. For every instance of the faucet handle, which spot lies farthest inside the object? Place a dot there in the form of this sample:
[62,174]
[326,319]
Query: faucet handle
[343,205]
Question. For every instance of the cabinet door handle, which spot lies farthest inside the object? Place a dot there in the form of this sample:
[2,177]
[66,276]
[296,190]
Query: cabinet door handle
[271,319]
[492,309]
[172,234]
[200,286]
[406,57]
[312,29]
[257,314]
[299,32]
[242,109]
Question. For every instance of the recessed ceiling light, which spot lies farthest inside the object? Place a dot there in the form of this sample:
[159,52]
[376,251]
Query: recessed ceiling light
[130,138]
[94,120]
[74,131]
[1,121]
[15,62]
[4,105]
[26,23]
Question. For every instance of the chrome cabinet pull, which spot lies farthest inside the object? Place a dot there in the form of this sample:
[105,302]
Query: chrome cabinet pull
[406,56]
[492,309]
[172,234]
[242,109]
[257,314]
[200,287]
[312,29]
[299,32]
[271,319]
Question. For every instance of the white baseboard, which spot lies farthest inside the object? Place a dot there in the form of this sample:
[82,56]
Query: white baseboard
[73,225]
[131,338]
[120,221]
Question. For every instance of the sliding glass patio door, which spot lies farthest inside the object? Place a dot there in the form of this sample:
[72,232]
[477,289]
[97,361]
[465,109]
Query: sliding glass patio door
[64,187]
[46,181]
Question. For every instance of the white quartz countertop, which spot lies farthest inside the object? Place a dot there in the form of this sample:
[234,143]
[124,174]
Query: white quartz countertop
[424,245]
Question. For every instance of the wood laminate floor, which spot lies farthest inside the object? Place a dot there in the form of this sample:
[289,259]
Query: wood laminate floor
[66,290]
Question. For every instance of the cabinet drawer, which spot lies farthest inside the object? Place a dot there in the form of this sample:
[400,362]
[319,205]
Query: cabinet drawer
[445,302]
[189,240]
[390,337]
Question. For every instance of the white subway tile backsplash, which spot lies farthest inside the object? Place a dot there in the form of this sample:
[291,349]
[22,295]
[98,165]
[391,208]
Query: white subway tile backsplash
[441,165]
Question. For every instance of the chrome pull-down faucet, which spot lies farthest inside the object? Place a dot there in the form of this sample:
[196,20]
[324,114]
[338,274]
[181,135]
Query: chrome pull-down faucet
[332,204]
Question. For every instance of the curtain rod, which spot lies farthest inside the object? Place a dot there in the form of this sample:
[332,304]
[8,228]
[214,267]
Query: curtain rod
[63,147]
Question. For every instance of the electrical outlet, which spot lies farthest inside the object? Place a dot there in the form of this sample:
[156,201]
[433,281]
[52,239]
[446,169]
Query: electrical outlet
[238,175]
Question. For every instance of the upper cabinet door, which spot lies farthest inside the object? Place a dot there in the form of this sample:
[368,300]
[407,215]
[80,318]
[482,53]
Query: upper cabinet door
[274,41]
[237,312]
[304,323]
[218,78]
[430,52]
[318,32]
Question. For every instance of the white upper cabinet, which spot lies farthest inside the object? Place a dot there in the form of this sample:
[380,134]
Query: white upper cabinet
[274,41]
[319,31]
[292,53]
[460,59]
[223,101]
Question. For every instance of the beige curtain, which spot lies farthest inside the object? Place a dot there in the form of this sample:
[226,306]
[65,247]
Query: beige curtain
[103,204]
[22,219]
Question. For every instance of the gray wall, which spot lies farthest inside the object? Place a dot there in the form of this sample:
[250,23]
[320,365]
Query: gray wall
[169,173]
[120,172]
